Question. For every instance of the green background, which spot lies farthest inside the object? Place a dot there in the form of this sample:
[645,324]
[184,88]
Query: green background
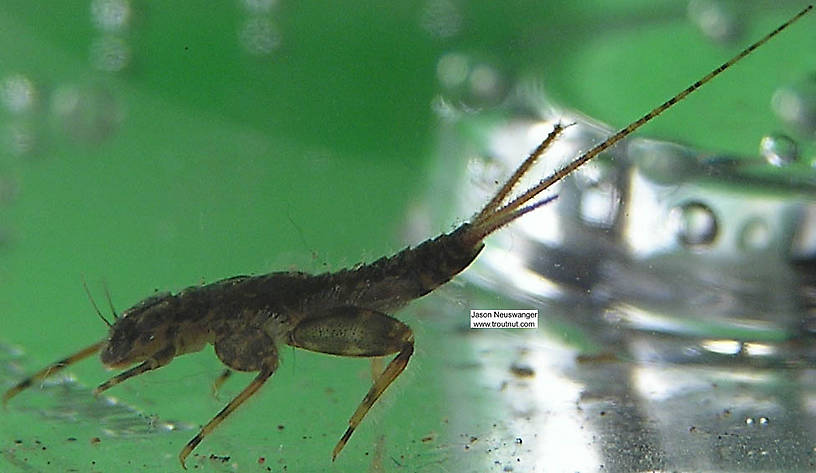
[200,161]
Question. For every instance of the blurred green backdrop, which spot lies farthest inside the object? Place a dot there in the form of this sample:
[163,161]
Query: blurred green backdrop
[156,145]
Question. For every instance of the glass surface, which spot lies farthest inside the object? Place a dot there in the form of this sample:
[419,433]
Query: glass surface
[155,146]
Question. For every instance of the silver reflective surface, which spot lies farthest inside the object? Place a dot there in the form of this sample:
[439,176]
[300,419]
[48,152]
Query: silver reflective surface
[675,289]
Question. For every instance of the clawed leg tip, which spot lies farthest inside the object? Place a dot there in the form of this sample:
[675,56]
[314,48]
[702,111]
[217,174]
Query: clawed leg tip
[183,459]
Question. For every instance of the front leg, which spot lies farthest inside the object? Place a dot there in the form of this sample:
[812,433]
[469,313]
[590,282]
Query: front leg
[353,331]
[159,359]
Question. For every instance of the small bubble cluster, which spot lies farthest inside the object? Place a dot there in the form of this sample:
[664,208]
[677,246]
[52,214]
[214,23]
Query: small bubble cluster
[469,82]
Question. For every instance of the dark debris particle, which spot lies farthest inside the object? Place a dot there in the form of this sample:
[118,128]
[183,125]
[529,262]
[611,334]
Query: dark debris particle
[71,439]
[280,427]
[261,460]
[18,441]
[427,438]
[519,441]
[522,371]
[222,459]
[95,440]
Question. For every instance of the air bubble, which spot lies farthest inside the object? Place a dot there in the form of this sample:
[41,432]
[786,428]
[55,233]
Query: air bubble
[259,6]
[89,114]
[110,15]
[259,36]
[110,54]
[756,235]
[452,70]
[19,139]
[778,150]
[714,19]
[796,105]
[441,18]
[695,224]
[17,93]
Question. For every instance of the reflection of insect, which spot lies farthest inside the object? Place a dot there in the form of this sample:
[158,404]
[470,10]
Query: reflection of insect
[343,313]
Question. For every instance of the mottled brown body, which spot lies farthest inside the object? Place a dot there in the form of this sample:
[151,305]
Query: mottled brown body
[270,306]
[345,313]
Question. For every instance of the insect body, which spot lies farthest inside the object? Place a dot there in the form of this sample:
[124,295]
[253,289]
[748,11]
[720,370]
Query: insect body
[345,313]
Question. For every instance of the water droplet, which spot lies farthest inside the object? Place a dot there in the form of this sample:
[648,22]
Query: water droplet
[259,6]
[763,421]
[749,421]
[441,18]
[796,105]
[110,15]
[17,93]
[695,224]
[259,36]
[110,54]
[756,235]
[779,150]
[714,18]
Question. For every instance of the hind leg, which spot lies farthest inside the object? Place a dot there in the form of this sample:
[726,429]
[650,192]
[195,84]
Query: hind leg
[353,331]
